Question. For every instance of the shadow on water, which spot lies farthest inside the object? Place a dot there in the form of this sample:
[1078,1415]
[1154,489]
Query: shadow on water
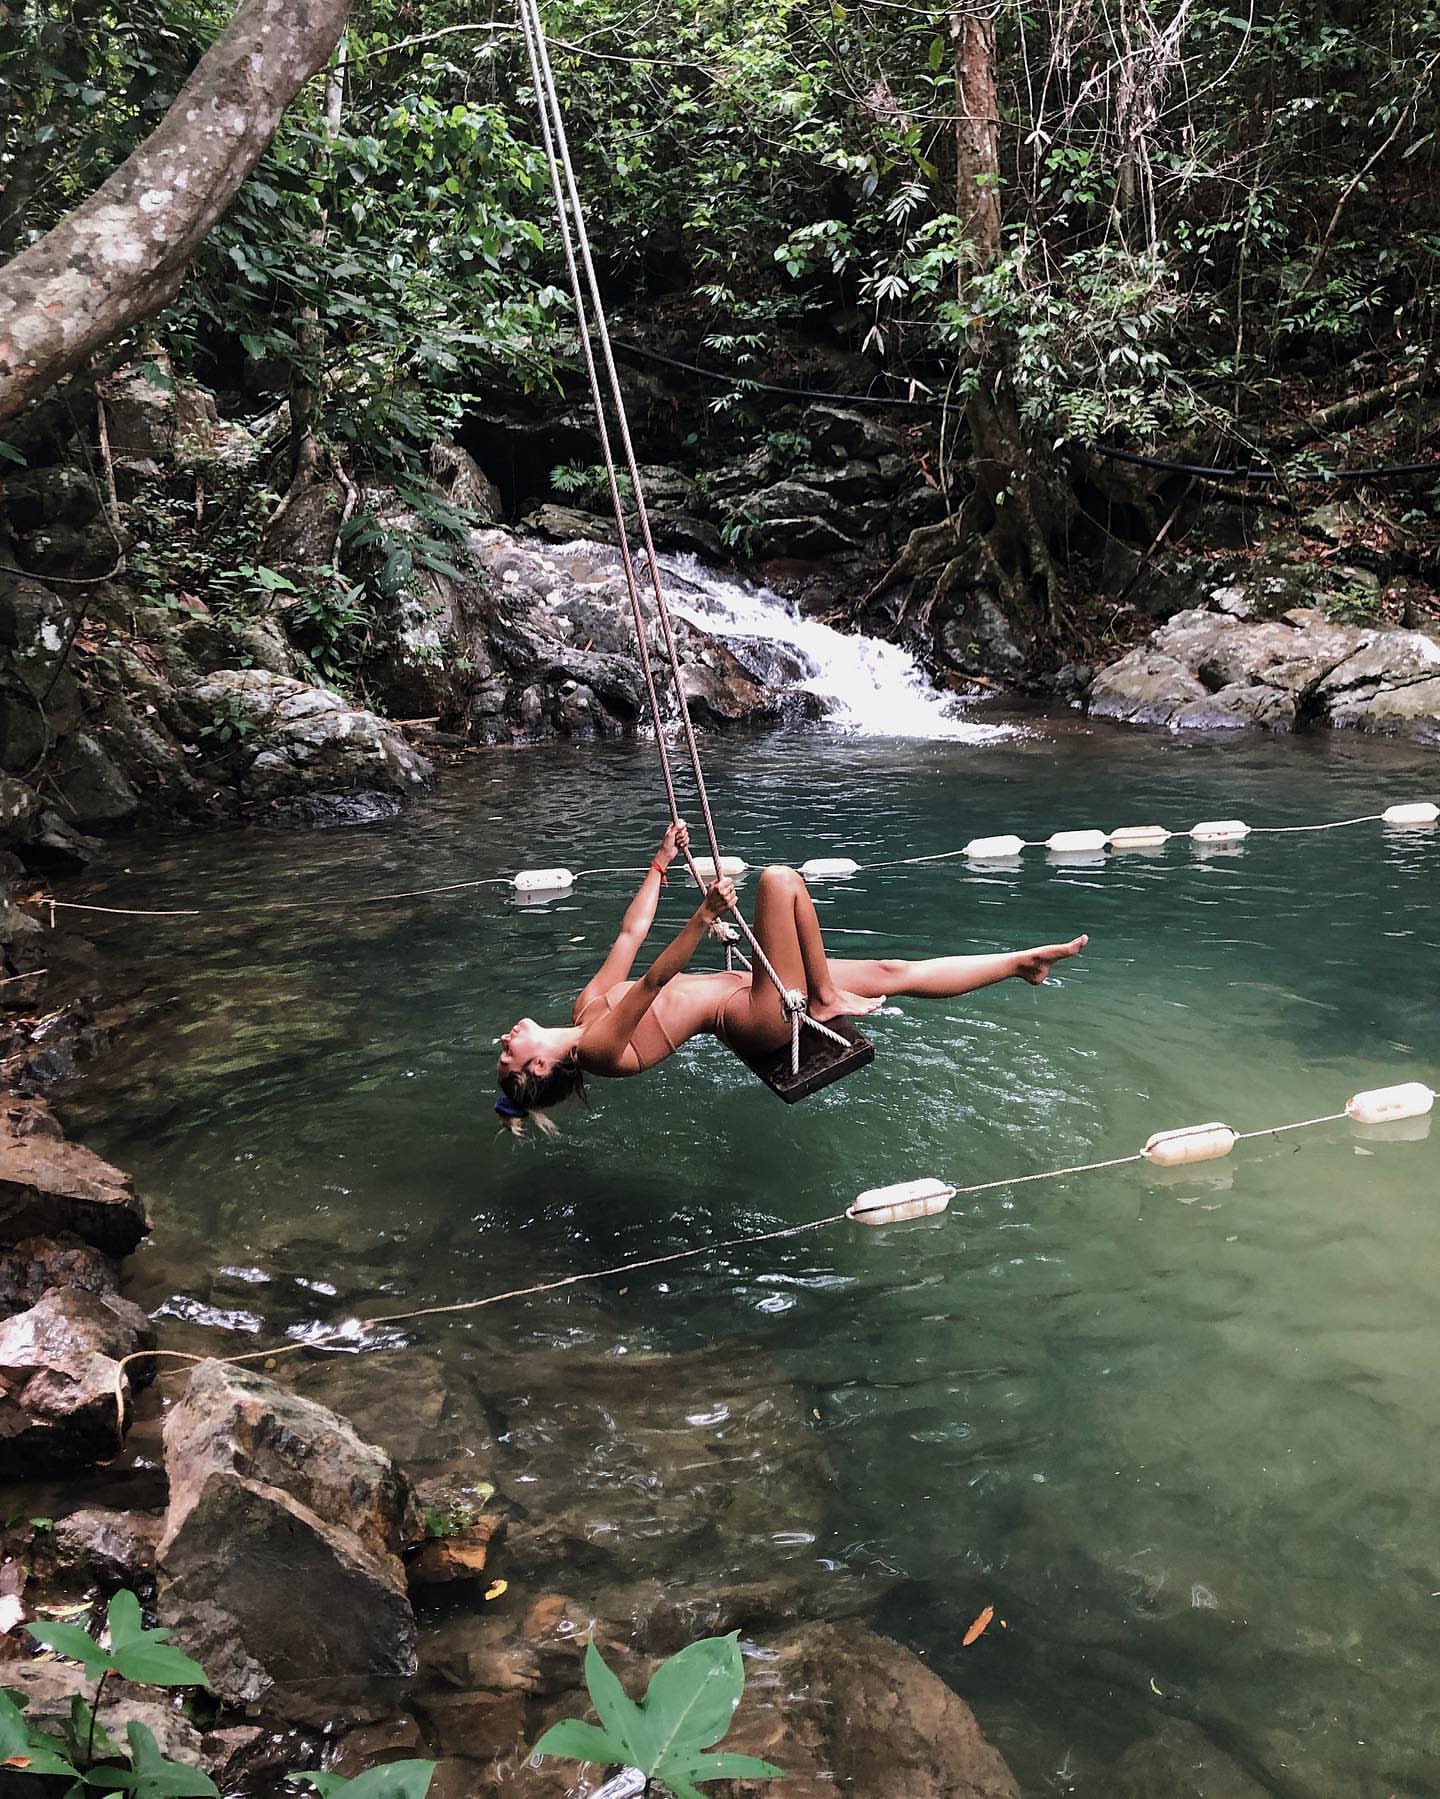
[1181,1432]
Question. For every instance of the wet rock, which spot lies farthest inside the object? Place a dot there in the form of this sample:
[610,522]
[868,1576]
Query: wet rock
[50,1687]
[460,1555]
[1208,670]
[1144,688]
[847,1712]
[437,1429]
[977,639]
[849,430]
[790,518]
[105,1548]
[279,1565]
[370,1745]
[292,738]
[90,788]
[49,1186]
[59,1377]
[1178,1762]
[1391,686]
[30,1268]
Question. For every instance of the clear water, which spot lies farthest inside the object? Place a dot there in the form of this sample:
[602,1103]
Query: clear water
[1183,1432]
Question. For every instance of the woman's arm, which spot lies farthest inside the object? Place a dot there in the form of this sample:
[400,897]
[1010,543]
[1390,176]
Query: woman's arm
[604,1040]
[635,926]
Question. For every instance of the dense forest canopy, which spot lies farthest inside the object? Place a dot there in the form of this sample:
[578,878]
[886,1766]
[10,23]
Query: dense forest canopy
[1157,224]
[1202,211]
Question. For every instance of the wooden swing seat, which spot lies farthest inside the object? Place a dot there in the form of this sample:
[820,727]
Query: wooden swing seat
[821,1062]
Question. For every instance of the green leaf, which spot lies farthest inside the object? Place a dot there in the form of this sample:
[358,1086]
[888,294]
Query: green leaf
[692,1698]
[76,1644]
[391,1780]
[46,1755]
[624,1722]
[153,1663]
[123,1617]
[582,1743]
[727,1765]
[14,1731]
[11,454]
[155,1777]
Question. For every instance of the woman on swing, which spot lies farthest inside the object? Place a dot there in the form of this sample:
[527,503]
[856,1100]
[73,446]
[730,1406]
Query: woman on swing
[621,1026]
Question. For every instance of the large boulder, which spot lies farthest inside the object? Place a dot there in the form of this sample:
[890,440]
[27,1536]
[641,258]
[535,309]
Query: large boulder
[64,1396]
[50,1186]
[292,739]
[1215,670]
[1178,1761]
[279,1567]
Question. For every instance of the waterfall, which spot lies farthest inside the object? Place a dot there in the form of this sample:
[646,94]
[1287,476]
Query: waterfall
[866,686]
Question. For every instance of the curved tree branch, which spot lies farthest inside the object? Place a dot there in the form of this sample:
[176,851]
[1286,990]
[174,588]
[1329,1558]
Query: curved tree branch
[122,254]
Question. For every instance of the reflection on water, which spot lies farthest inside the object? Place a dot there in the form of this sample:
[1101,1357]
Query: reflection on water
[1180,1429]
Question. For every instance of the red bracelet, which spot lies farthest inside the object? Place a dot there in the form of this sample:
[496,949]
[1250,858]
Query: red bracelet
[656,865]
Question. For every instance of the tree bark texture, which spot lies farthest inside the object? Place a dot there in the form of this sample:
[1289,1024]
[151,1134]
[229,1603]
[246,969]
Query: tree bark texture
[122,254]
[977,134]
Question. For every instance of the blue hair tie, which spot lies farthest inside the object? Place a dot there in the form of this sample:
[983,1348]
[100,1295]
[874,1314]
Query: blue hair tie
[508,1109]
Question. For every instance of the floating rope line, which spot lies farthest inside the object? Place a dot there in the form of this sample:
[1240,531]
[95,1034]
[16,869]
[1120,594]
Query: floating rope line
[882,1205]
[559,881]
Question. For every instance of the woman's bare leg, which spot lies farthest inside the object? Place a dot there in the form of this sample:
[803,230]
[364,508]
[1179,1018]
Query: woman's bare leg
[946,977]
[789,933]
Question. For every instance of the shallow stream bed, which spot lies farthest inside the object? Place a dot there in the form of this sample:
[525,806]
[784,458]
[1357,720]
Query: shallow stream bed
[1182,1431]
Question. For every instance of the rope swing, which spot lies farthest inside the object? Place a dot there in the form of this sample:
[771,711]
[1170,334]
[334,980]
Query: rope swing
[841,1049]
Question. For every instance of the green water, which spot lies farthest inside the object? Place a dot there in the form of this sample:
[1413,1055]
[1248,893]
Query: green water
[1181,1431]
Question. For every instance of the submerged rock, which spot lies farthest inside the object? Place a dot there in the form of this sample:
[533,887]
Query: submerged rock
[1179,1762]
[279,1566]
[848,1713]
[49,1186]
[64,1398]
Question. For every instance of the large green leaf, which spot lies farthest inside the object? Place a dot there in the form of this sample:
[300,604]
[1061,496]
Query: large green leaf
[70,1640]
[624,1721]
[391,1780]
[155,1664]
[691,1700]
[582,1743]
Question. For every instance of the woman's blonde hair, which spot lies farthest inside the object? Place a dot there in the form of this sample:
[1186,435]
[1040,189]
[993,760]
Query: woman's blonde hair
[528,1098]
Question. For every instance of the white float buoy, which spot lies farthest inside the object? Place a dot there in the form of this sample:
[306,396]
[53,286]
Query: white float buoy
[907,1199]
[731,868]
[1138,837]
[982,848]
[826,868]
[1070,842]
[1383,1105]
[1219,830]
[542,880]
[1418,812]
[1191,1143]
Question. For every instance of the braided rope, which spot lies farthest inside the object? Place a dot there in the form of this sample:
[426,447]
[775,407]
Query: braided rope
[574,236]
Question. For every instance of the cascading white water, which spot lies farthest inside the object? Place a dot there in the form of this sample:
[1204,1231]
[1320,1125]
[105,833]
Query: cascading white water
[872,688]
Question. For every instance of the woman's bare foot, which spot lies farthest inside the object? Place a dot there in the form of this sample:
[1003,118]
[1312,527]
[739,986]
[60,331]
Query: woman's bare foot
[1034,965]
[841,1004]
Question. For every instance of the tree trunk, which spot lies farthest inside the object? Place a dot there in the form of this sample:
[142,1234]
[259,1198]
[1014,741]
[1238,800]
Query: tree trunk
[122,254]
[1011,508]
